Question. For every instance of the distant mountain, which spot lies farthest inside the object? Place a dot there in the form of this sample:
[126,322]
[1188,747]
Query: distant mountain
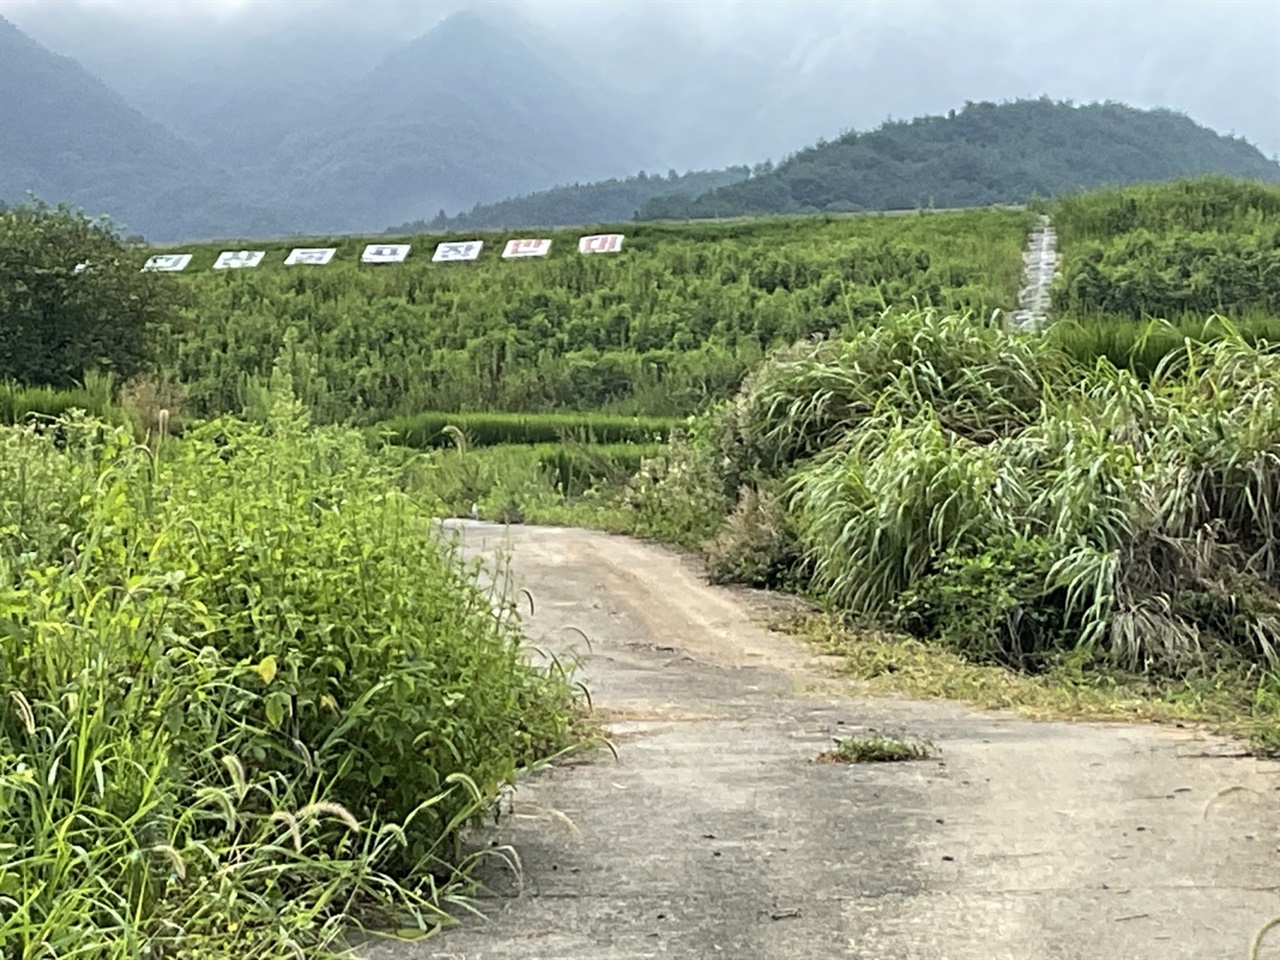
[986,153]
[466,113]
[608,201]
[66,137]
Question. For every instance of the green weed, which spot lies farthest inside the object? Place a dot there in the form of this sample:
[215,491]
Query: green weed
[877,748]
[247,697]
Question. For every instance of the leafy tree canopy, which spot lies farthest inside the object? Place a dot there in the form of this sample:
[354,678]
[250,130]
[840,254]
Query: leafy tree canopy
[59,319]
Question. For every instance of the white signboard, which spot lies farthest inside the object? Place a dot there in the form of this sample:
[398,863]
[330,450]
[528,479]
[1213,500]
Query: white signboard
[385,253]
[315,256]
[235,259]
[526,248]
[168,262]
[453,250]
[601,243]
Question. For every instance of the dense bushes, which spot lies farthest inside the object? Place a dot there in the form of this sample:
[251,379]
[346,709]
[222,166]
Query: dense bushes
[974,485]
[57,323]
[245,693]
[671,323]
[1171,251]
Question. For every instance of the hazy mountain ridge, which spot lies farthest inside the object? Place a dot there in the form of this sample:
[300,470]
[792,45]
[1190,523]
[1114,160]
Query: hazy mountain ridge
[466,113]
[986,153]
[607,201]
[68,137]
[281,124]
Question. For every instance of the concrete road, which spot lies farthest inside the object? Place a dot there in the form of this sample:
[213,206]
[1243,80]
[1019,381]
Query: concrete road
[714,835]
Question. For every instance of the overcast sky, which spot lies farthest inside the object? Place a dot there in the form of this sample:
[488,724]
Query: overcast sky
[1217,60]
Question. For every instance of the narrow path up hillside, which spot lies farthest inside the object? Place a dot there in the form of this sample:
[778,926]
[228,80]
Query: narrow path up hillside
[714,835]
[1039,264]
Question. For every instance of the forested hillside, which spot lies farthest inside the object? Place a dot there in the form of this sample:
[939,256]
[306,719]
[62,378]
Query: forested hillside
[609,201]
[983,154]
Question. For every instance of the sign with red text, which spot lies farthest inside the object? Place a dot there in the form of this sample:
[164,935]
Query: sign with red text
[526,248]
[601,243]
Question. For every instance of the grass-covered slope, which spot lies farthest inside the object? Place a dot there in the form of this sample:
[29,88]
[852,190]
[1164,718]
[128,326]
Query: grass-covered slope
[675,319]
[984,154]
[1171,251]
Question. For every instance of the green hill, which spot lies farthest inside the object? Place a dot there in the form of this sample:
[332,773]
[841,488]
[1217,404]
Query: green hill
[583,203]
[984,154]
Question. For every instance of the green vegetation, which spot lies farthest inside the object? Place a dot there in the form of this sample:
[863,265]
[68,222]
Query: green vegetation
[877,748]
[554,483]
[977,488]
[19,403]
[1175,251]
[426,430]
[608,201]
[986,153]
[672,322]
[57,323]
[247,696]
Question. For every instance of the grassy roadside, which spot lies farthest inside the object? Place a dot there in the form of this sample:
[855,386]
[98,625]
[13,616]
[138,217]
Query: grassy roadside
[1234,703]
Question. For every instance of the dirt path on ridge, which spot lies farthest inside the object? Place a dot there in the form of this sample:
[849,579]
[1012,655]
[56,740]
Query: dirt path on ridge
[714,836]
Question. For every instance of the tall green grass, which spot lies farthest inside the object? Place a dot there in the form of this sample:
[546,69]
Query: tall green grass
[1142,348]
[17,401]
[429,430]
[247,696]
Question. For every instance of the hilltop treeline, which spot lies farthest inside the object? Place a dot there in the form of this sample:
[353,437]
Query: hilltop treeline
[984,154]
[608,201]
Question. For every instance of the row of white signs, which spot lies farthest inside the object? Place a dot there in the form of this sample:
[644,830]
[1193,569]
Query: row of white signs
[450,251]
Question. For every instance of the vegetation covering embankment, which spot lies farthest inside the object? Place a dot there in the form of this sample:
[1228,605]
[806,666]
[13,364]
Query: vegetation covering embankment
[673,321]
[1179,252]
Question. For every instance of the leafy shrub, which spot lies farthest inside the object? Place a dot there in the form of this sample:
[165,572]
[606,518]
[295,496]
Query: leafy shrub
[757,543]
[246,694]
[992,605]
[676,496]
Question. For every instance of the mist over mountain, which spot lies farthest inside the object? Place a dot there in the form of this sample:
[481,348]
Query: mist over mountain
[339,117]
[65,136]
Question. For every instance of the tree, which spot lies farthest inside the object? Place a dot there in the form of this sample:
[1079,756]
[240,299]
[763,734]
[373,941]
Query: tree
[72,298]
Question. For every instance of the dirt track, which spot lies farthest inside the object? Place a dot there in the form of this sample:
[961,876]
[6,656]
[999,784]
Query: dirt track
[714,835]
